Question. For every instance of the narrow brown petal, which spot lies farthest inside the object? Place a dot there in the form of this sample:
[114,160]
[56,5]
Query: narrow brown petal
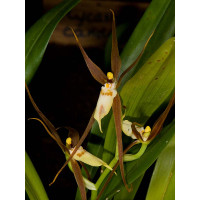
[117,118]
[134,63]
[86,170]
[79,178]
[135,132]
[87,130]
[115,167]
[46,121]
[96,72]
[62,146]
[115,58]
[157,127]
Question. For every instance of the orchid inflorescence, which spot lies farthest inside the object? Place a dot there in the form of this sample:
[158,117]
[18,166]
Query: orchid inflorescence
[108,98]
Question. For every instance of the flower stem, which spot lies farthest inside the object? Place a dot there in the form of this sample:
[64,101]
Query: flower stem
[102,177]
[130,157]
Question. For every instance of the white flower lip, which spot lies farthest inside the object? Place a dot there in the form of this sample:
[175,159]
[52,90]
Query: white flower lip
[86,157]
[105,101]
[127,129]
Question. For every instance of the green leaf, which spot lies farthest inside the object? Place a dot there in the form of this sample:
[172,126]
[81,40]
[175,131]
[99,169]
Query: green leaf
[170,192]
[33,184]
[148,23]
[37,37]
[164,31]
[145,92]
[162,181]
[136,168]
[124,194]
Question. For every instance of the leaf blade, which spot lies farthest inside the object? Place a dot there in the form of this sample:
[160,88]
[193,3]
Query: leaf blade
[37,37]
[33,184]
[124,194]
[163,173]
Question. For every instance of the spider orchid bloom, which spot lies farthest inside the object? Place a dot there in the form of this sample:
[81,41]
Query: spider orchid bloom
[127,129]
[81,155]
[108,96]
[86,157]
[137,131]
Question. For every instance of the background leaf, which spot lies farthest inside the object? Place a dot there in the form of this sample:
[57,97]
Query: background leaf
[124,194]
[150,21]
[33,184]
[163,178]
[37,37]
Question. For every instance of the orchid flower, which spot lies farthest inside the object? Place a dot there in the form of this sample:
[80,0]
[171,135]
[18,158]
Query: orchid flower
[144,136]
[109,96]
[137,131]
[80,155]
[127,129]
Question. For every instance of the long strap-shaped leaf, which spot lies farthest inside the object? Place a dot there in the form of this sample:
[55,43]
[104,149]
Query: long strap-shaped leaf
[46,121]
[96,72]
[117,116]
[115,58]
[37,37]
[79,178]
[87,130]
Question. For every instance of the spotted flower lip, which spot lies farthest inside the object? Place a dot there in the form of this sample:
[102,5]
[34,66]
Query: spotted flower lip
[105,101]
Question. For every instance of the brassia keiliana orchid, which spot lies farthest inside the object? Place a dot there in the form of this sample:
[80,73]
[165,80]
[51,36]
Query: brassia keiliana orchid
[108,96]
[143,136]
[80,155]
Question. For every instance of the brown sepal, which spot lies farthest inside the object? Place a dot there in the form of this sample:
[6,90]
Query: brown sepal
[115,58]
[118,126]
[135,62]
[158,125]
[50,126]
[96,72]
[79,178]
[135,132]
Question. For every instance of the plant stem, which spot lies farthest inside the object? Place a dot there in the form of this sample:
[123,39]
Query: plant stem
[130,157]
[102,177]
[127,157]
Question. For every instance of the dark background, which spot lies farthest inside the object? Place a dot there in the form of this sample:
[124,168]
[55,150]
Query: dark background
[67,94]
